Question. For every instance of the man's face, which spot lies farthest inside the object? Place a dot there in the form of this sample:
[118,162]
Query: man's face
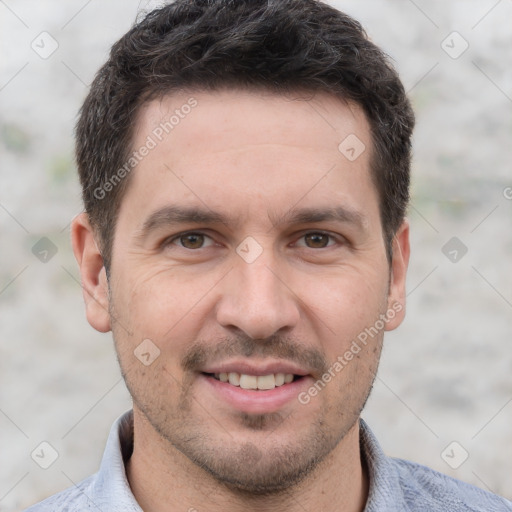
[248,243]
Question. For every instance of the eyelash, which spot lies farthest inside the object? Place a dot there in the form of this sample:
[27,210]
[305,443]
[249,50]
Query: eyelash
[169,241]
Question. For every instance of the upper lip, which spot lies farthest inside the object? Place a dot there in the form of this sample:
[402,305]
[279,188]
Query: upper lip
[257,369]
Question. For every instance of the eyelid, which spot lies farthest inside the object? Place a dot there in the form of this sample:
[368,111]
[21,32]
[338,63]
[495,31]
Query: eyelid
[337,238]
[171,239]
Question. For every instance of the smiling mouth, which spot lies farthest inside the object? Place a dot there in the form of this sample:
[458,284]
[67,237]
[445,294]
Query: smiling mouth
[257,383]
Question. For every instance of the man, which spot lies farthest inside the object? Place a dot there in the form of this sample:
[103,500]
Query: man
[245,174]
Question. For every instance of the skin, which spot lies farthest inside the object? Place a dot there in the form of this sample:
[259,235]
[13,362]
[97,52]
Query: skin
[254,157]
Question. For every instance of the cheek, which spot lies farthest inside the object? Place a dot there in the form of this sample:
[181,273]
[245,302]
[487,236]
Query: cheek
[347,301]
[163,304]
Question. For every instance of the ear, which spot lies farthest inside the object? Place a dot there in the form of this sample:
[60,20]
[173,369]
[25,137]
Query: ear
[399,264]
[92,273]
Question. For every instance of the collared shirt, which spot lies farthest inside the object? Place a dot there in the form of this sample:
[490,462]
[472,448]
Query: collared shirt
[396,485]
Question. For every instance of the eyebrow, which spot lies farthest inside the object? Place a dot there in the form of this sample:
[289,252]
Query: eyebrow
[343,214]
[173,215]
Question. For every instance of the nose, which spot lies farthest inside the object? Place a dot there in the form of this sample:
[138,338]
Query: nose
[257,299]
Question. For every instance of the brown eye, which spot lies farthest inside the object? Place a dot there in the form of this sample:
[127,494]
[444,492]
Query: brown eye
[192,240]
[317,240]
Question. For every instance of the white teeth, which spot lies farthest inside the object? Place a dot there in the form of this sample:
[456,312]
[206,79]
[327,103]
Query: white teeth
[234,378]
[255,382]
[248,381]
[279,379]
[266,382]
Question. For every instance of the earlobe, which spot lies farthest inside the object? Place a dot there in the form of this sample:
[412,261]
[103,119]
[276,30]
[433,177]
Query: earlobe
[399,265]
[92,273]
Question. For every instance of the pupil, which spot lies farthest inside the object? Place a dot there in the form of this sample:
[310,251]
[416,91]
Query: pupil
[317,239]
[192,241]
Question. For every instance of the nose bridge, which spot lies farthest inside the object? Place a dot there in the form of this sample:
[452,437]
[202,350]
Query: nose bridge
[260,283]
[257,300]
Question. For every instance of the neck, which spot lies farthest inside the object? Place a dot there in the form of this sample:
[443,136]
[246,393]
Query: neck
[163,479]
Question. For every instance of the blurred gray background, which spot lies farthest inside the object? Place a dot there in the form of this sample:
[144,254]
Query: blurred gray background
[443,396]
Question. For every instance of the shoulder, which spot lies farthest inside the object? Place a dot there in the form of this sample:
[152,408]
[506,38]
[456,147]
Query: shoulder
[426,489]
[73,499]
[401,485]
[106,490]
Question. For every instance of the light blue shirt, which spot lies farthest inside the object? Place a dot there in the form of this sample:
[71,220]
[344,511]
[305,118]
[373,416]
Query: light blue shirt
[396,485]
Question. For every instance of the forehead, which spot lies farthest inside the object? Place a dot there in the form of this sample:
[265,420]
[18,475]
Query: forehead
[252,117]
[251,150]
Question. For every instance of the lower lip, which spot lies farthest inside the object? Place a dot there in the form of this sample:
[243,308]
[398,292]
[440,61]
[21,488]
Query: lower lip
[255,401]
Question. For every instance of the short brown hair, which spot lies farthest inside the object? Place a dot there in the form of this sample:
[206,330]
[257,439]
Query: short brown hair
[280,45]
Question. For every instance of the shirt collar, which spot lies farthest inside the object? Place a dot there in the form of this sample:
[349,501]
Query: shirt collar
[112,490]
[385,493]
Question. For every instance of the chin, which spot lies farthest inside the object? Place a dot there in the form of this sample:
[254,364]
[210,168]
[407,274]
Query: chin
[252,472]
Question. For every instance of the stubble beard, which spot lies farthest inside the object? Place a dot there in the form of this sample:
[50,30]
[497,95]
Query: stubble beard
[247,468]
[266,467]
